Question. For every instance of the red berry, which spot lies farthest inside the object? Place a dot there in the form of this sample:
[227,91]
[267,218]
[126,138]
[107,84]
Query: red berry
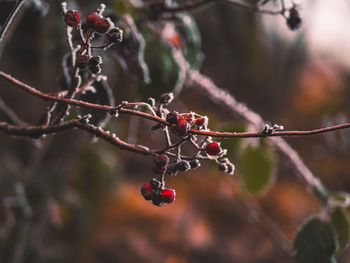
[102,25]
[182,127]
[147,191]
[168,196]
[82,61]
[72,18]
[213,148]
[189,117]
[161,160]
[201,121]
[91,20]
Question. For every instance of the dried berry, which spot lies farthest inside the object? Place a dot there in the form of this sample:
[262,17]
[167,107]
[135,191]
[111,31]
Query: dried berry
[82,61]
[195,164]
[157,200]
[91,20]
[95,69]
[147,191]
[95,61]
[223,167]
[102,25]
[213,148]
[172,118]
[161,160]
[115,35]
[182,127]
[183,166]
[159,169]
[294,20]
[171,170]
[72,18]
[168,196]
[230,168]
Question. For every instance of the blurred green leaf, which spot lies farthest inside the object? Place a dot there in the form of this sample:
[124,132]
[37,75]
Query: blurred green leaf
[232,146]
[341,227]
[258,165]
[315,242]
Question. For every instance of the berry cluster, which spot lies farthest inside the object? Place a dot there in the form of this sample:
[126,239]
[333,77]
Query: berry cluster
[181,127]
[95,22]
[154,191]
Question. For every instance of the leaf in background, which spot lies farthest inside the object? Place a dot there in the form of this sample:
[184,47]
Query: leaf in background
[341,227]
[314,242]
[258,168]
[99,92]
[130,52]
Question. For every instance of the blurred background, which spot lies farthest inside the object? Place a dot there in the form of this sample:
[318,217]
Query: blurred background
[80,197]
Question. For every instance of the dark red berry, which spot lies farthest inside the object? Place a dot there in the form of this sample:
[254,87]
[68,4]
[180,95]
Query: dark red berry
[213,148]
[157,200]
[91,20]
[95,61]
[72,18]
[195,164]
[183,166]
[201,121]
[95,69]
[82,61]
[159,169]
[189,117]
[168,196]
[172,118]
[161,160]
[102,25]
[182,127]
[115,35]
[171,170]
[147,191]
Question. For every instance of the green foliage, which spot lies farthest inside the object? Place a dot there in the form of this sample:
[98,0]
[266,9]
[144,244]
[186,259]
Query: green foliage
[341,227]
[232,146]
[315,242]
[257,165]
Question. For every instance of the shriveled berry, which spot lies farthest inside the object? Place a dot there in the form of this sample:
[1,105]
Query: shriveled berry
[147,191]
[171,170]
[102,25]
[183,166]
[95,69]
[72,18]
[115,35]
[161,160]
[168,196]
[294,20]
[82,61]
[172,118]
[213,148]
[159,169]
[195,164]
[91,20]
[223,167]
[157,200]
[95,61]
[203,121]
[182,127]
[230,168]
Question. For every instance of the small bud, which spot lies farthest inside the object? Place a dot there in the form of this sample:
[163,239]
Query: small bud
[115,35]
[166,98]
[72,18]
[95,61]
[201,121]
[213,148]
[195,164]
